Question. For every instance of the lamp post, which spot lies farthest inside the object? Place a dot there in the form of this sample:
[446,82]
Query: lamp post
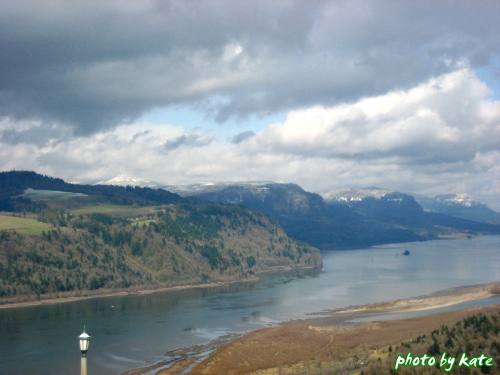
[83,366]
[84,340]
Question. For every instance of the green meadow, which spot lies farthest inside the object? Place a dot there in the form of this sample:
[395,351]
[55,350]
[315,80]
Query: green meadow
[33,226]
[22,225]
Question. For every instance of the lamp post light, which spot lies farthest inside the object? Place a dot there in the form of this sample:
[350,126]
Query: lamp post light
[84,340]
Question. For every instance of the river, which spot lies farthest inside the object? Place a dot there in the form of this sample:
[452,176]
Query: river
[137,330]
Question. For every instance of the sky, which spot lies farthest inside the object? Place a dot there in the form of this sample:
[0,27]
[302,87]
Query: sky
[403,95]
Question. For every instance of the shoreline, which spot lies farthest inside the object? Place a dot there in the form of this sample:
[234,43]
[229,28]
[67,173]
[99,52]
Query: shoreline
[113,293]
[441,298]
[336,320]
[133,291]
[104,294]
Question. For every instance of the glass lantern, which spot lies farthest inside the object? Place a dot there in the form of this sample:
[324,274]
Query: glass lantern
[84,340]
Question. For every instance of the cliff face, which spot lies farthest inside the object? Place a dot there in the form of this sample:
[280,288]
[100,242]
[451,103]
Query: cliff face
[270,198]
[307,217]
[180,244]
[349,218]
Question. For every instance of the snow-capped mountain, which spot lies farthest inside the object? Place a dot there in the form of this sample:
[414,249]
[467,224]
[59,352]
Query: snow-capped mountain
[354,195]
[126,180]
[460,198]
[459,205]
[205,187]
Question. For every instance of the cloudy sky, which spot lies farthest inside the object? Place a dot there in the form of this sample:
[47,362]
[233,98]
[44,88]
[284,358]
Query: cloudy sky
[402,94]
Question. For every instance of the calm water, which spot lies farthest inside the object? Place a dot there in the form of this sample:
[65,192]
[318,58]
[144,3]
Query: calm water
[135,331]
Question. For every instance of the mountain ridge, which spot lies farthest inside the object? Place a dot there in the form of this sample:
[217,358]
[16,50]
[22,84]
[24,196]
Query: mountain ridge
[370,219]
[439,203]
[304,216]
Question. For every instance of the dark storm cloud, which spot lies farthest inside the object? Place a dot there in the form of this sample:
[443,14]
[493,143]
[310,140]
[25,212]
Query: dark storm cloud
[240,137]
[35,135]
[93,65]
[189,140]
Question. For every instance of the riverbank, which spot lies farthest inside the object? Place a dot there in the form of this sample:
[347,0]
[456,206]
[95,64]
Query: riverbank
[321,339]
[102,293]
[107,293]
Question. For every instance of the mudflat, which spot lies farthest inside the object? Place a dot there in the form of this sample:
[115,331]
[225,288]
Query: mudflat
[327,338]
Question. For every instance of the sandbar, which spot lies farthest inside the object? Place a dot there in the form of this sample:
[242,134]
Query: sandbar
[202,357]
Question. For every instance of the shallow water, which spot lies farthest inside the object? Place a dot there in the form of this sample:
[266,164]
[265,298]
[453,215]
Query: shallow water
[495,300]
[137,330]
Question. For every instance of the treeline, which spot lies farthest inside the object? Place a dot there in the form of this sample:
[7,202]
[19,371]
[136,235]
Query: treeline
[14,183]
[20,204]
[180,244]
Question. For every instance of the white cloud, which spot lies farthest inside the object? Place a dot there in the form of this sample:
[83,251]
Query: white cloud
[446,119]
[440,136]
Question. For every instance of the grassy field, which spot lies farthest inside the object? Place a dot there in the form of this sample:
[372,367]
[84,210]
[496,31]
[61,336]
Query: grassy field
[29,225]
[22,225]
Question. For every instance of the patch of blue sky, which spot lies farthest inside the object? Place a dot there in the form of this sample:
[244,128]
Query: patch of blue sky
[490,75]
[189,118]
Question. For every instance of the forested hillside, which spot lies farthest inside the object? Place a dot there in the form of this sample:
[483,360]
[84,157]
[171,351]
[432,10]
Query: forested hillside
[173,245]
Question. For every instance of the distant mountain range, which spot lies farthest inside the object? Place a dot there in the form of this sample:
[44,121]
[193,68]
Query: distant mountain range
[459,205]
[204,187]
[353,195]
[350,217]
[343,218]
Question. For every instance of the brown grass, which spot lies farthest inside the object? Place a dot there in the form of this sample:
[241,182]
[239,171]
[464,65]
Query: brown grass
[278,348]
